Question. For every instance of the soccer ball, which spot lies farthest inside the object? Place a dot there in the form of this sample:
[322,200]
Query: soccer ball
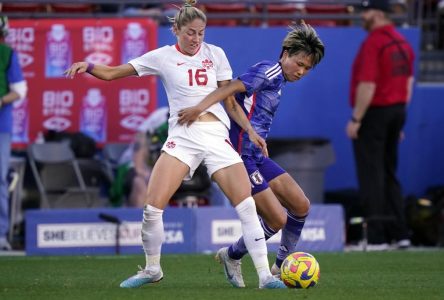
[300,270]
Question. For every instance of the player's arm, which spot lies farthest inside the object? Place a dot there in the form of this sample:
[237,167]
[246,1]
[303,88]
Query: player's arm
[236,113]
[190,114]
[364,95]
[101,71]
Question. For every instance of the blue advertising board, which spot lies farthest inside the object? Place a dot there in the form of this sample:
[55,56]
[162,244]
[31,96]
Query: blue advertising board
[187,230]
[323,230]
[91,231]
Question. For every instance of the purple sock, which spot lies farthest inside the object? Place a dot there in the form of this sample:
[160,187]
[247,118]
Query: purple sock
[290,237]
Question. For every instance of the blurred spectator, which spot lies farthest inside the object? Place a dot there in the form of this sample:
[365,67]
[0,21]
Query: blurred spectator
[440,9]
[136,162]
[12,88]
[149,10]
[381,87]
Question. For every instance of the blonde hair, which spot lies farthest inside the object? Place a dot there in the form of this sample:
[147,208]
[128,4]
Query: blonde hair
[187,13]
[303,38]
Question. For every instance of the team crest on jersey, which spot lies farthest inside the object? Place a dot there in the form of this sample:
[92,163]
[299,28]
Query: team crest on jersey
[207,64]
[171,145]
[256,177]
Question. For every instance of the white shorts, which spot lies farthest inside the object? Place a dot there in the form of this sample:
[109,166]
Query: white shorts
[202,141]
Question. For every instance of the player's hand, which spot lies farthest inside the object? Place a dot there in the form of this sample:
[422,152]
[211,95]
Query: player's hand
[258,141]
[352,129]
[76,68]
[189,115]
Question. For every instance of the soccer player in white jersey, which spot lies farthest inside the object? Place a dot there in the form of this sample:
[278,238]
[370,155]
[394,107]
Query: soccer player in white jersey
[257,94]
[189,70]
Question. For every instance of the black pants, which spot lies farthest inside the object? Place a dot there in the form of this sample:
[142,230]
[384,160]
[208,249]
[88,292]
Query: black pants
[376,155]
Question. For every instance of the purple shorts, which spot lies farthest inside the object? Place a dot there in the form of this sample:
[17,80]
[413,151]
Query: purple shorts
[261,173]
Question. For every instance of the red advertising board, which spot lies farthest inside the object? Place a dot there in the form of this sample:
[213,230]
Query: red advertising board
[106,111]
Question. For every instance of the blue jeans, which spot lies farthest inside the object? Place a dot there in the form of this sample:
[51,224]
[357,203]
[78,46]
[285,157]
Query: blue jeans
[5,154]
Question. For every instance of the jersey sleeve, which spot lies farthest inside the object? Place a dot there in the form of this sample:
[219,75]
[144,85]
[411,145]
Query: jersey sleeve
[150,63]
[369,63]
[14,70]
[224,71]
[255,78]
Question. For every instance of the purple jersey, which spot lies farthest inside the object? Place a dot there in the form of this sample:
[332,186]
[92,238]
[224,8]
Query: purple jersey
[263,83]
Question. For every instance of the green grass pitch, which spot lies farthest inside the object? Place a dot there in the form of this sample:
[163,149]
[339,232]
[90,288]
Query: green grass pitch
[356,275]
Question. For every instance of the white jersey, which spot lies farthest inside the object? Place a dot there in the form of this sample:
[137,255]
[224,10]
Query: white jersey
[187,79]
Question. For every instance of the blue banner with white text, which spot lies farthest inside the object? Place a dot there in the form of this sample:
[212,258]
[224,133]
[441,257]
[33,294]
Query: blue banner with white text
[187,230]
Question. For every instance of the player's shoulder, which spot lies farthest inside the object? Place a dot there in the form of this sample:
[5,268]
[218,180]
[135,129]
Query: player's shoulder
[166,49]
[269,68]
[161,52]
[212,48]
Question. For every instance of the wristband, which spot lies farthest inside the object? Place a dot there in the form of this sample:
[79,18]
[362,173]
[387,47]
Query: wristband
[90,67]
[1,102]
[354,120]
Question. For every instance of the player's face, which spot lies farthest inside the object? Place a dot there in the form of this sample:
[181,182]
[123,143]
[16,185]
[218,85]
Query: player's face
[190,36]
[368,18]
[296,66]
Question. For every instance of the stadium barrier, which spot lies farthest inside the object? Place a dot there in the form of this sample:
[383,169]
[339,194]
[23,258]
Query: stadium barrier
[200,230]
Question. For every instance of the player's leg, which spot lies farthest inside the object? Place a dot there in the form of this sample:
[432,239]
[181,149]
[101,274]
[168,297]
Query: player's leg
[234,183]
[293,198]
[273,216]
[226,168]
[290,195]
[168,169]
[272,219]
[268,206]
[231,256]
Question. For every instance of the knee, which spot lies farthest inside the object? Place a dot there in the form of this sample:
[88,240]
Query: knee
[300,207]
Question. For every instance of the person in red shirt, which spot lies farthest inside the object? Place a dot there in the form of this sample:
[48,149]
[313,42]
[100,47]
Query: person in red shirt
[381,87]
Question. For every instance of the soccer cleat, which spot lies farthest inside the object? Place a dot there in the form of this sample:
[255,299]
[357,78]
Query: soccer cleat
[142,277]
[232,268]
[272,283]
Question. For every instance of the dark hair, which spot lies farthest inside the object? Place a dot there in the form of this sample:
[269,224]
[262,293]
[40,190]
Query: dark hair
[187,13]
[303,38]
[383,5]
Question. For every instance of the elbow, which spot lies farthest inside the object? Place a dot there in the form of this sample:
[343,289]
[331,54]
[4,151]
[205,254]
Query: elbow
[107,77]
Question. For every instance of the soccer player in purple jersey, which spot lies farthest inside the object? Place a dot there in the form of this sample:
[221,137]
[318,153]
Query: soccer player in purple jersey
[256,98]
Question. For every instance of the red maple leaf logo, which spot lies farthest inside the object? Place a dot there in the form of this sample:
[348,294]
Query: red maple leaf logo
[207,64]
[171,145]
